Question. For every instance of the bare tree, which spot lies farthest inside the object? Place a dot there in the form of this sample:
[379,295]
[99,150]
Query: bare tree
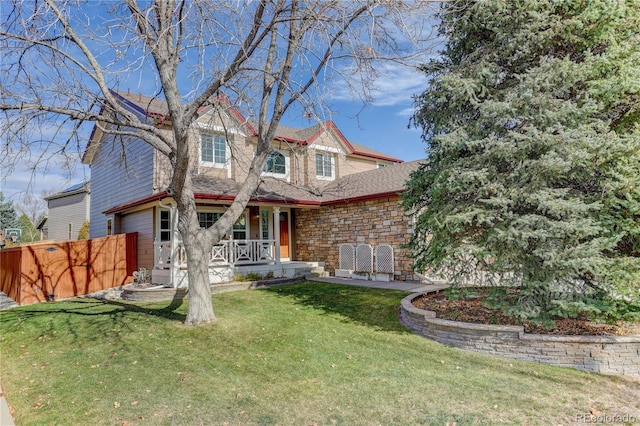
[62,58]
[32,206]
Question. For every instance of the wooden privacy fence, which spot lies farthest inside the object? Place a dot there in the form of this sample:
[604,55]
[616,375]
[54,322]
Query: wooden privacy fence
[45,272]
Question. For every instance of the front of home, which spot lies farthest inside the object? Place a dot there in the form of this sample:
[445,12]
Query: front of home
[318,191]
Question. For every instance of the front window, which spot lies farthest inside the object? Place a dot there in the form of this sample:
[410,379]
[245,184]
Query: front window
[276,164]
[207,219]
[213,149]
[109,226]
[165,225]
[265,224]
[240,229]
[324,165]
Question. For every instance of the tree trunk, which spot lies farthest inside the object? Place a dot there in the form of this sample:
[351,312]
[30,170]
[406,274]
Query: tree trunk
[200,304]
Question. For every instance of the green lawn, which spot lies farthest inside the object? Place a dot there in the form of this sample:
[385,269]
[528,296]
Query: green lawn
[294,355]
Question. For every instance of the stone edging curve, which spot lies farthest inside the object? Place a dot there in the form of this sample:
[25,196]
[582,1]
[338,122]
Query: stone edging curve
[601,354]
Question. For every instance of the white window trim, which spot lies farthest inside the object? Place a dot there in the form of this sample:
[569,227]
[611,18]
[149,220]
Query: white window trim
[333,167]
[221,130]
[318,147]
[227,152]
[287,167]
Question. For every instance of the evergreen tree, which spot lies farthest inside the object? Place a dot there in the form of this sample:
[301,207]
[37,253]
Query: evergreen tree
[29,231]
[8,215]
[531,120]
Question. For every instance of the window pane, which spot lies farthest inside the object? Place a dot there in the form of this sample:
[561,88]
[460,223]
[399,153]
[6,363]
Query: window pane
[276,163]
[165,225]
[206,148]
[319,165]
[265,224]
[323,165]
[240,229]
[327,166]
[207,219]
[220,150]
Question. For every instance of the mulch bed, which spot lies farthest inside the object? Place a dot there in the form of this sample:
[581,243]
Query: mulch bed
[474,310]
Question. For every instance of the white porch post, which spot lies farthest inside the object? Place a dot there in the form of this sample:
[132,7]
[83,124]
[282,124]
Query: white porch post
[276,232]
[174,245]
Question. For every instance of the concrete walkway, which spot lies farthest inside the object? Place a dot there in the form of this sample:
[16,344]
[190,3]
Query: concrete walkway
[5,414]
[411,286]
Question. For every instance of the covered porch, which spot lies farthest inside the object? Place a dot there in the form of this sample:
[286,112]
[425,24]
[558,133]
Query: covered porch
[267,255]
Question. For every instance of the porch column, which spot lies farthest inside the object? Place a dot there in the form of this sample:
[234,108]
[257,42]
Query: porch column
[276,232]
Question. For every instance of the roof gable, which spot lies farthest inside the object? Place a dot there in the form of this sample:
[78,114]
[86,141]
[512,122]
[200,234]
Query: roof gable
[157,108]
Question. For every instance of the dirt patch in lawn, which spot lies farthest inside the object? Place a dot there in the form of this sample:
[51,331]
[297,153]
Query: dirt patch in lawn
[475,310]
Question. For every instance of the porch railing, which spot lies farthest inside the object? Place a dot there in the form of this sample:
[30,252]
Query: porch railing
[228,252]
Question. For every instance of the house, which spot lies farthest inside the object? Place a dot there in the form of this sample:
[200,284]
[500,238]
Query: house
[43,227]
[68,211]
[318,190]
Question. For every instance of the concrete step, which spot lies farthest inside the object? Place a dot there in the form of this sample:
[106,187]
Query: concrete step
[322,274]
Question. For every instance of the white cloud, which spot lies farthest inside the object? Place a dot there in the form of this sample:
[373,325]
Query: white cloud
[395,85]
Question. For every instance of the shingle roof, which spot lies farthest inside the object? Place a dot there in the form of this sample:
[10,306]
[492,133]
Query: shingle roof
[72,190]
[379,182]
[153,106]
[384,180]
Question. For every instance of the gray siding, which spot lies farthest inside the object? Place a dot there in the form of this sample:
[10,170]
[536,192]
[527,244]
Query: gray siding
[142,223]
[63,211]
[121,172]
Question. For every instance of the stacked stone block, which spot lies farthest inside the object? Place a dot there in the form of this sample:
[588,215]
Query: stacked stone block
[600,354]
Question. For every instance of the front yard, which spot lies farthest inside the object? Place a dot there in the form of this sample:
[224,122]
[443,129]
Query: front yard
[302,354]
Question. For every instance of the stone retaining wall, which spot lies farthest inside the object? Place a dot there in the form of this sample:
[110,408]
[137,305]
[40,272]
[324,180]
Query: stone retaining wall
[601,354]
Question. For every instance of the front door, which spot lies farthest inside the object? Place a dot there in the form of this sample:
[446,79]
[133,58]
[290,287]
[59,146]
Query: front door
[284,235]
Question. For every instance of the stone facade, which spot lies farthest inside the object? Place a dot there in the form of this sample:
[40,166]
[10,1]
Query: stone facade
[319,232]
[600,354]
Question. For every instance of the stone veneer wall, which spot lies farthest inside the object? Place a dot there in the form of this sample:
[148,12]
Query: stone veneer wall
[601,354]
[319,232]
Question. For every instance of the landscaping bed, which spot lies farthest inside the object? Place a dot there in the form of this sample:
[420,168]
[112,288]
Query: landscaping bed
[475,310]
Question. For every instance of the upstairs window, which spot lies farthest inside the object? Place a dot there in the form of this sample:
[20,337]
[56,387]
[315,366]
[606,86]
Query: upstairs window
[324,166]
[276,164]
[213,150]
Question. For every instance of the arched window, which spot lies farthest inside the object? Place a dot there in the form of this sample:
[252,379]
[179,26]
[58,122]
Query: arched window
[276,163]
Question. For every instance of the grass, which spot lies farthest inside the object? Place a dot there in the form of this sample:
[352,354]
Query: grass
[295,355]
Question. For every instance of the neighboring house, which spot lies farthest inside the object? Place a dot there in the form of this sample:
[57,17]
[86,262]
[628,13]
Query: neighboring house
[43,228]
[68,210]
[319,190]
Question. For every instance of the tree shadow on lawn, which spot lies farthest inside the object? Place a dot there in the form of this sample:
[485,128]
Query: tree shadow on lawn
[372,307]
[96,307]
